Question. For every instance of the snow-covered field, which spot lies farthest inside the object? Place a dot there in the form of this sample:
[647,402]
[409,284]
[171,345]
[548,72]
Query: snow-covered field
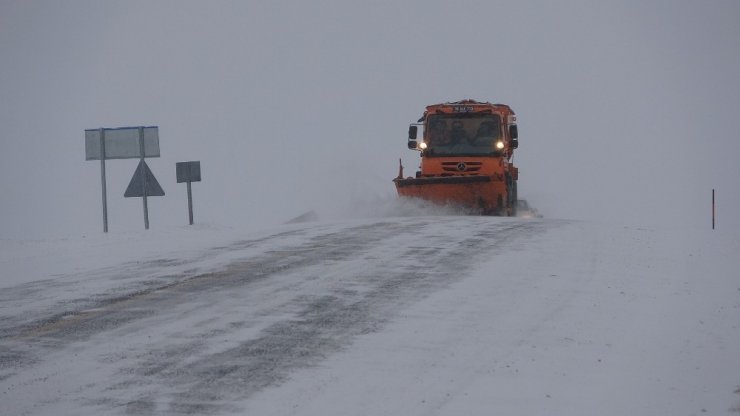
[428,315]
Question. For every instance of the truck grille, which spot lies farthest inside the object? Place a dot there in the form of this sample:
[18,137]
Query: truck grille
[461,166]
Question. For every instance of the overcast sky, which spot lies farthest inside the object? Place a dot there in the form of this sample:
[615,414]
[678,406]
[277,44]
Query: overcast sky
[627,110]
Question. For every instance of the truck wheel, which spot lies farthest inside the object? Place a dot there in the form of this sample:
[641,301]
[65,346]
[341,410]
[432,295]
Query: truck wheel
[510,196]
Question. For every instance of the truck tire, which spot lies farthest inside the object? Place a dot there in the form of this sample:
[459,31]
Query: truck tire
[510,196]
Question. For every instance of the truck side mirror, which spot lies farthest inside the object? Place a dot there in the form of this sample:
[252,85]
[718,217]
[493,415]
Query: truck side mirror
[514,136]
[412,137]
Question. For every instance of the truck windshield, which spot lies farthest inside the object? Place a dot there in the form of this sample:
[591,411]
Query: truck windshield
[463,134]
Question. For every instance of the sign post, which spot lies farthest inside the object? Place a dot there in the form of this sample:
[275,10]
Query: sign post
[102,180]
[188,172]
[143,182]
[124,143]
[713,209]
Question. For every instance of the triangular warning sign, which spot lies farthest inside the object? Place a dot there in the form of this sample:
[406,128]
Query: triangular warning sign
[138,185]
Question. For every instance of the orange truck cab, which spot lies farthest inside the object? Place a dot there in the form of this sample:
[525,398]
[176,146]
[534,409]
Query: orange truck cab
[466,157]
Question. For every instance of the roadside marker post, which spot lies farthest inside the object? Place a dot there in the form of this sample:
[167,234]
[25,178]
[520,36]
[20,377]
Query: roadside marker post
[713,209]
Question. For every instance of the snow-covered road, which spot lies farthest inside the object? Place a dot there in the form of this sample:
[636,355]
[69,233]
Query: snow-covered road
[429,315]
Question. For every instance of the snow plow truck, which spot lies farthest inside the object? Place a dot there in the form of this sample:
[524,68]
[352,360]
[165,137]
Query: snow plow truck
[467,150]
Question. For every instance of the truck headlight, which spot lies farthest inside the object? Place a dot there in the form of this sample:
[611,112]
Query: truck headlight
[499,145]
[422,145]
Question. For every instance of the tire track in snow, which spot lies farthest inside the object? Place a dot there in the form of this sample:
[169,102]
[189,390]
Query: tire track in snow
[323,325]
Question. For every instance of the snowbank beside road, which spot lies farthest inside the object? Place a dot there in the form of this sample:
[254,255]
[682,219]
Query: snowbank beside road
[587,319]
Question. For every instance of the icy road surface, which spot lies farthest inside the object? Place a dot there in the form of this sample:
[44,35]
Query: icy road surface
[412,316]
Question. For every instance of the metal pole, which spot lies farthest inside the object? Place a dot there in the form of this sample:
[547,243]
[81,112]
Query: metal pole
[713,209]
[143,175]
[190,203]
[102,180]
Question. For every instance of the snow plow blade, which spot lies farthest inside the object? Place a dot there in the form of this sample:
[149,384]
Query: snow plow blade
[481,194]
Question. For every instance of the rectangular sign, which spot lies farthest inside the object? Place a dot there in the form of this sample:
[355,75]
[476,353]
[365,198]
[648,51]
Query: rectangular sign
[187,171]
[122,143]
